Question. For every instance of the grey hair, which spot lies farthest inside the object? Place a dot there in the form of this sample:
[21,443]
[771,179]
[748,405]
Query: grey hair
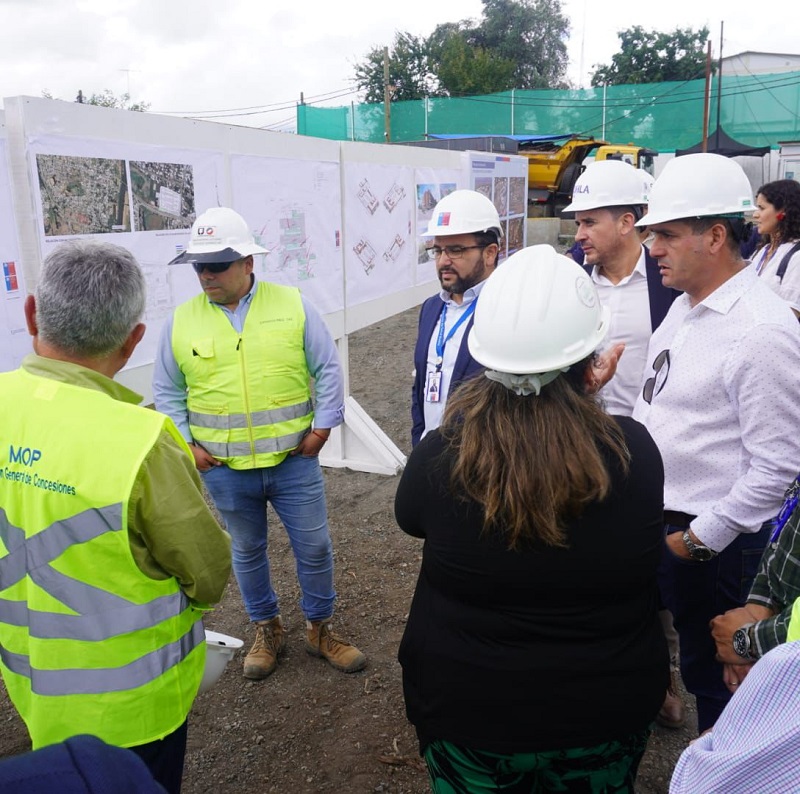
[90,297]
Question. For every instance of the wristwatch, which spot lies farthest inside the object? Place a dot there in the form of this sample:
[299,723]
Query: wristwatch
[696,550]
[742,646]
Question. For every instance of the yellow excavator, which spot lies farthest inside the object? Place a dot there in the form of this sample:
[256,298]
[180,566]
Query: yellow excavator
[554,161]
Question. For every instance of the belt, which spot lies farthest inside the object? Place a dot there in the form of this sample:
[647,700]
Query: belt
[676,519]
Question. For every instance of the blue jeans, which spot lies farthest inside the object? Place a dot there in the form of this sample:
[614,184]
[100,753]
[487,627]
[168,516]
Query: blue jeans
[295,489]
[695,592]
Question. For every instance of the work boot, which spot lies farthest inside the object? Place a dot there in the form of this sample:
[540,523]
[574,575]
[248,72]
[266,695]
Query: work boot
[322,642]
[673,712]
[270,642]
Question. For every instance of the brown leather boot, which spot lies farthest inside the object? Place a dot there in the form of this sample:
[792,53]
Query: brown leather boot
[322,642]
[270,642]
[673,712]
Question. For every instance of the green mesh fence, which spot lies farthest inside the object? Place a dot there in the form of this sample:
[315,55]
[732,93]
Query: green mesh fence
[755,110]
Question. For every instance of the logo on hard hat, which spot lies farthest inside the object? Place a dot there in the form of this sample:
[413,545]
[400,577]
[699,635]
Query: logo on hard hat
[206,230]
[444,219]
[582,188]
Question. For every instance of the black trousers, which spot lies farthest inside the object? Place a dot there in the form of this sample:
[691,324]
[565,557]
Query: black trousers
[164,758]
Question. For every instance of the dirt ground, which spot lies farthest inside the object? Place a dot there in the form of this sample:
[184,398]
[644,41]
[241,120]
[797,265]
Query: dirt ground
[308,728]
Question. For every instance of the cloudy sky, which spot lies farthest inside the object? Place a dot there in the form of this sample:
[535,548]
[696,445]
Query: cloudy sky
[204,56]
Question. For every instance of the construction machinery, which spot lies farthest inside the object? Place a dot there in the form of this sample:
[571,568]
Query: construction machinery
[554,161]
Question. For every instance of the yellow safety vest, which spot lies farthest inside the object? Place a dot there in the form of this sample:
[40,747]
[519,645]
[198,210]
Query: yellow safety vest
[249,397]
[88,643]
[794,624]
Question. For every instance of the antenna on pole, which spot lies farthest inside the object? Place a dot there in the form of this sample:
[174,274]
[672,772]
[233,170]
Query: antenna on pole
[128,75]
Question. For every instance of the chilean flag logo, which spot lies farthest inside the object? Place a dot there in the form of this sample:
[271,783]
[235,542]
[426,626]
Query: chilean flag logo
[444,219]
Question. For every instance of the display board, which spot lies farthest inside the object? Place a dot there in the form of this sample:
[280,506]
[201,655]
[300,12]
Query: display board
[388,194]
[294,208]
[379,229]
[16,342]
[144,198]
[504,180]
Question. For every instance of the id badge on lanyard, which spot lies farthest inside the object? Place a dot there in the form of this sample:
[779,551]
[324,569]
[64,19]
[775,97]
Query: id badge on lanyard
[433,381]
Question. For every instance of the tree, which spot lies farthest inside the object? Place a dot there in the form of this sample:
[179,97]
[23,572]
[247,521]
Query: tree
[464,69]
[532,34]
[409,73]
[655,57]
[515,44]
[107,99]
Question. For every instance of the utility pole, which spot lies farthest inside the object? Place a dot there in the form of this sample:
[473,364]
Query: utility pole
[387,99]
[719,85]
[707,96]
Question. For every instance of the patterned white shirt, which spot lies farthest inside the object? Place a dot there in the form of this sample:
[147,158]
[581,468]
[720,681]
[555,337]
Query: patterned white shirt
[725,412]
[755,744]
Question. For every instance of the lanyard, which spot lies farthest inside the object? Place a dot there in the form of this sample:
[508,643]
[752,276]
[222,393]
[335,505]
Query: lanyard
[789,505]
[441,340]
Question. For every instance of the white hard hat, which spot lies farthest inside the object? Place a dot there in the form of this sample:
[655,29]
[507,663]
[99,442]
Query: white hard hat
[220,649]
[537,312]
[219,235]
[608,183]
[464,212]
[698,186]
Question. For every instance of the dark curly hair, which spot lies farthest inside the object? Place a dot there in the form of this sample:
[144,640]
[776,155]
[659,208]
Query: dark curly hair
[784,195]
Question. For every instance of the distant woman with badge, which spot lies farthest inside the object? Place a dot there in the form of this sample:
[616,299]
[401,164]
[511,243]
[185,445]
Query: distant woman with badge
[778,219]
[533,657]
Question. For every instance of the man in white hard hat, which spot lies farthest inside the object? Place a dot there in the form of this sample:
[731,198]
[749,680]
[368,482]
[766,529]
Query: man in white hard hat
[719,397]
[109,554]
[233,371]
[465,233]
[608,199]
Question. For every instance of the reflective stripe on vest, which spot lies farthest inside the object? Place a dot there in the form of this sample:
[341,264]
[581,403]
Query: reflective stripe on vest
[249,399]
[239,421]
[93,621]
[97,681]
[262,446]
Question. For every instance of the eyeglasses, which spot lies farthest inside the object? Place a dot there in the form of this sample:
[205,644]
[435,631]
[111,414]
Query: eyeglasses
[211,267]
[654,385]
[452,251]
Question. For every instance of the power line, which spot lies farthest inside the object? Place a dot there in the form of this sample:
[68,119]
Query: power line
[284,105]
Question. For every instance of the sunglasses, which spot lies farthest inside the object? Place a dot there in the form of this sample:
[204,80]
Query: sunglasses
[652,386]
[211,267]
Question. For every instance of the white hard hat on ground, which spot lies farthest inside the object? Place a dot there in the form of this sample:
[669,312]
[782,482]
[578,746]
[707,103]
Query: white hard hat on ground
[698,186]
[608,183]
[538,312]
[220,649]
[219,235]
[464,212]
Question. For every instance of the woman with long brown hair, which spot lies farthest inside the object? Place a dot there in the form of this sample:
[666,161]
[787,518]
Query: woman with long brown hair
[778,217]
[533,658]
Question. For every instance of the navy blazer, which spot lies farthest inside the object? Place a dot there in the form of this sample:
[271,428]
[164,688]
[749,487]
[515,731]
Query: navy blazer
[464,368]
[661,297]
